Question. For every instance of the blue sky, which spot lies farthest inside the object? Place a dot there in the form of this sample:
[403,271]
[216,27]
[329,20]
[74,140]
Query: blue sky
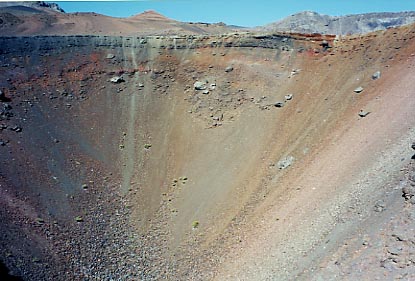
[238,12]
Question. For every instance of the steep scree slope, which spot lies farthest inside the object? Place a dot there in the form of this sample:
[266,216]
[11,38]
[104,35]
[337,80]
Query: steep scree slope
[149,178]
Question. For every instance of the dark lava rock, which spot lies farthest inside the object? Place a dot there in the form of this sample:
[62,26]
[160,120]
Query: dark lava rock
[3,97]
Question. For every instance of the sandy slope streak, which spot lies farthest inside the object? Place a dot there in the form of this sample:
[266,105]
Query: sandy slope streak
[331,190]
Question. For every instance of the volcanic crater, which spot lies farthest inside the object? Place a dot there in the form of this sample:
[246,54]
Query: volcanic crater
[237,156]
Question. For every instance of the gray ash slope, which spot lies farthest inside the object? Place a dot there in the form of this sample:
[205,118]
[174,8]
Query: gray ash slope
[312,22]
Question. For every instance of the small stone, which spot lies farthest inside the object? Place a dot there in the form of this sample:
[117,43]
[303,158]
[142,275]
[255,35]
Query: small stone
[358,90]
[117,79]
[408,192]
[84,186]
[325,44]
[413,145]
[279,104]
[205,92]
[79,219]
[376,75]
[199,85]
[141,85]
[289,97]
[229,69]
[363,113]
[2,95]
[16,128]
[147,146]
[285,162]
[195,224]
[110,56]
[2,143]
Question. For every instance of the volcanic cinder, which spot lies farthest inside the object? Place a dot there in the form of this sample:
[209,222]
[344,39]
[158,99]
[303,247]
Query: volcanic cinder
[234,156]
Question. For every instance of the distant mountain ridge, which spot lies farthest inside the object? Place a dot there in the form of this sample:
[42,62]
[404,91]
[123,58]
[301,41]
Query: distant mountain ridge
[46,18]
[312,22]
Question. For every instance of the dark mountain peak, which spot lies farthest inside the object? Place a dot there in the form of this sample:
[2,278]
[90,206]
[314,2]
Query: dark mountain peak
[41,5]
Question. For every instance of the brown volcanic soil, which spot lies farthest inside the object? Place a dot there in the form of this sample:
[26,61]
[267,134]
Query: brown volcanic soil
[336,213]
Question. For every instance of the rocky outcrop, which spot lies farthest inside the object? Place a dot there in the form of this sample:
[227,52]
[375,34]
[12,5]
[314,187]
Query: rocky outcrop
[312,22]
[34,4]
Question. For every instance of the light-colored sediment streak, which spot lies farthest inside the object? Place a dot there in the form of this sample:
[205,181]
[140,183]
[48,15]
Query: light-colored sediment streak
[129,152]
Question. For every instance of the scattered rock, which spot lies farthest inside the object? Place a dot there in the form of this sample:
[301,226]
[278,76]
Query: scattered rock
[376,75]
[2,95]
[289,97]
[413,145]
[199,85]
[110,56]
[79,219]
[325,44]
[363,113]
[229,69]
[380,206]
[408,192]
[358,90]
[84,186]
[158,71]
[147,146]
[2,143]
[16,128]
[279,104]
[195,224]
[117,79]
[205,92]
[141,85]
[285,162]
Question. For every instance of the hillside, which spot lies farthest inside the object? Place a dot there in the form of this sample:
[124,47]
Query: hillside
[312,22]
[39,18]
